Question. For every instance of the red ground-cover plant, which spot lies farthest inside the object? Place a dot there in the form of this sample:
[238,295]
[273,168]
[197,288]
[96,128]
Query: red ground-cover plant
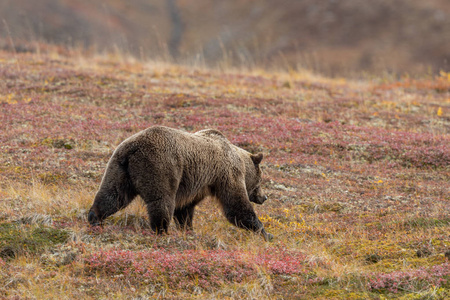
[288,138]
[412,280]
[282,261]
[189,268]
[356,168]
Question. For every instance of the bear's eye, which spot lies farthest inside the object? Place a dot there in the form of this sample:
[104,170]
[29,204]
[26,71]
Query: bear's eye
[258,170]
[253,190]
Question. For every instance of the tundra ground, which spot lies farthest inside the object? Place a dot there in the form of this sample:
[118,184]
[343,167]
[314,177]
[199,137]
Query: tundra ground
[357,174]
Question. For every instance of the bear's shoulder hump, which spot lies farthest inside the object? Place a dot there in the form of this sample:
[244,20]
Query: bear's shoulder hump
[211,133]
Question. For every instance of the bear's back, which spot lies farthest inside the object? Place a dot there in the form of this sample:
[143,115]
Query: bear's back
[204,152]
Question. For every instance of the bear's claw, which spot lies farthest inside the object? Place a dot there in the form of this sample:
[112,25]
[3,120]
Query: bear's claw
[268,237]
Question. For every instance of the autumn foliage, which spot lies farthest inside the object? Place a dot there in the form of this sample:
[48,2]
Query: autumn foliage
[357,174]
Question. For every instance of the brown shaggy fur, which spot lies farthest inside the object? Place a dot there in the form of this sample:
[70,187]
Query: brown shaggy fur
[173,171]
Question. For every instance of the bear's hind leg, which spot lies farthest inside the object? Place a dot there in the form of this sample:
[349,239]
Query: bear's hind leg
[183,217]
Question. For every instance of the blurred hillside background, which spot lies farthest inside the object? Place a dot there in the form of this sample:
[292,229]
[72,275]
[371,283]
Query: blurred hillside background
[333,37]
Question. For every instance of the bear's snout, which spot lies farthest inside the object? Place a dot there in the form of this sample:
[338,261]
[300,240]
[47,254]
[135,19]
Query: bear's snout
[258,199]
[93,219]
[257,196]
[262,199]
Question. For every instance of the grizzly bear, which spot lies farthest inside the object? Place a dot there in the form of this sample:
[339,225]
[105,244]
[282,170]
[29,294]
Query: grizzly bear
[173,171]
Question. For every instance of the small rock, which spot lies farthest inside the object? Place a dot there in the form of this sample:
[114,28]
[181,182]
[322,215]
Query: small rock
[284,188]
[68,258]
[63,144]
[68,146]
[8,252]
[62,256]
[373,258]
[216,244]
[424,252]
[287,84]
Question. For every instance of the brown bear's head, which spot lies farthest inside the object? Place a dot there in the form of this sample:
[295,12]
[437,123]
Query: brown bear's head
[104,205]
[116,192]
[253,180]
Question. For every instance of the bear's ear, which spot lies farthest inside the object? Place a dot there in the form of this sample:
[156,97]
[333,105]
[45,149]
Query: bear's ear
[257,158]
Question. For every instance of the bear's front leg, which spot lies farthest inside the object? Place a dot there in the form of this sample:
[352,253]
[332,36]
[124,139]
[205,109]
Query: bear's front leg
[239,211]
[160,212]
[247,219]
